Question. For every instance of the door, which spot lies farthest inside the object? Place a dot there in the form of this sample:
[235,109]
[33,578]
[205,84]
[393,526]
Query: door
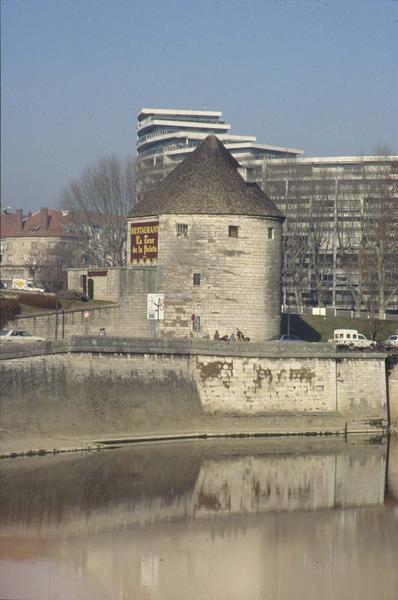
[91,288]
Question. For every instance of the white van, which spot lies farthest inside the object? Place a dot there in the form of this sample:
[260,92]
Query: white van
[26,285]
[351,338]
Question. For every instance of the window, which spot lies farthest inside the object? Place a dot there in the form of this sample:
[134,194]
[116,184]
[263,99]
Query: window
[182,230]
[271,233]
[196,278]
[233,231]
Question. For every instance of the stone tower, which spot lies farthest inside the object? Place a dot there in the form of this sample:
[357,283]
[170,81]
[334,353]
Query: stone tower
[215,242]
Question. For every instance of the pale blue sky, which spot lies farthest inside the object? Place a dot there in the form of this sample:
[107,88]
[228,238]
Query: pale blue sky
[318,75]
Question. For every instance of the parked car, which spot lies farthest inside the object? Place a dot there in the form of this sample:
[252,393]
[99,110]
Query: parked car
[290,338]
[351,338]
[19,335]
[391,342]
[3,285]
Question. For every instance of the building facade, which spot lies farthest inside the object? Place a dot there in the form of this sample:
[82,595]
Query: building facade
[165,137]
[341,230]
[36,246]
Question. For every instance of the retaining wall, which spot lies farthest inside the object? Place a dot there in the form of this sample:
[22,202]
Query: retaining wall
[102,386]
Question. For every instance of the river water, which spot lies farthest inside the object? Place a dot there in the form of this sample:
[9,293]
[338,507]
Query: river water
[278,519]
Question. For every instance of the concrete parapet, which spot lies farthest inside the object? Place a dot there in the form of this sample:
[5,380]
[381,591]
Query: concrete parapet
[132,345]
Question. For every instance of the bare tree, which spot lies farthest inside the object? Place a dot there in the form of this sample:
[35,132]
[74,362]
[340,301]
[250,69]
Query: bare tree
[53,273]
[294,246]
[351,245]
[287,194]
[98,202]
[308,205]
[380,192]
[320,234]
[34,261]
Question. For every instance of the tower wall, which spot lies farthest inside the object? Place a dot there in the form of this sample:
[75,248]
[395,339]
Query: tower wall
[239,276]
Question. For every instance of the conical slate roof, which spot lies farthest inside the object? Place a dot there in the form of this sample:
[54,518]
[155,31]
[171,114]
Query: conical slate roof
[207,182]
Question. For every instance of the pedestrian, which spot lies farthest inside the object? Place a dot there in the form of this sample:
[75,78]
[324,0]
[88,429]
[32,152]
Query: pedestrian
[232,338]
[240,335]
[216,335]
[102,332]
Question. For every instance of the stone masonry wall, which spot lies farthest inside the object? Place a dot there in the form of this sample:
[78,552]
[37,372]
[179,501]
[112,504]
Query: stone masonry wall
[71,322]
[266,385]
[359,388]
[239,276]
[118,283]
[128,318]
[105,386]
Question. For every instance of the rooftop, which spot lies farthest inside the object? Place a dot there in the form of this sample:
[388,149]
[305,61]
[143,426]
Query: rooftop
[207,182]
[144,112]
[45,222]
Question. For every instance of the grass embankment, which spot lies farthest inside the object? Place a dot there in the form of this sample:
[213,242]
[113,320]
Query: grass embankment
[320,329]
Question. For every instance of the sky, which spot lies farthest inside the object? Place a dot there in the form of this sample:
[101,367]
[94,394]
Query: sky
[320,75]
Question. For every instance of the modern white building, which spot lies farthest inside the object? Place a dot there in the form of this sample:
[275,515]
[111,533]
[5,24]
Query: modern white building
[341,229]
[165,137]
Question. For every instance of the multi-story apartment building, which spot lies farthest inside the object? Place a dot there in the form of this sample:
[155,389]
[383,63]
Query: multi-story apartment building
[37,245]
[165,137]
[341,230]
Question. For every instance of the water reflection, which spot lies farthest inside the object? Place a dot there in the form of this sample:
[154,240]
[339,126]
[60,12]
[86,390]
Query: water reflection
[283,518]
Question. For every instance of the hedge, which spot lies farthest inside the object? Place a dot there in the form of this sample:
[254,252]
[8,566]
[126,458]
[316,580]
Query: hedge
[9,308]
[40,301]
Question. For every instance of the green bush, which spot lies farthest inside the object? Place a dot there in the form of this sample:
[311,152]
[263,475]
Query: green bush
[9,308]
[40,301]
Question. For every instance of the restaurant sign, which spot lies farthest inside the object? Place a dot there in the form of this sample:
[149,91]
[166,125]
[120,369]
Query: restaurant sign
[144,240]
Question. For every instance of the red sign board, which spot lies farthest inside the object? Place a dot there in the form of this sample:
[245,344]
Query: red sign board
[97,273]
[144,240]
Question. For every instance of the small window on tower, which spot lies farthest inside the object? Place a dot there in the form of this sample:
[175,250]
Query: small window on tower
[271,233]
[182,230]
[233,231]
[196,278]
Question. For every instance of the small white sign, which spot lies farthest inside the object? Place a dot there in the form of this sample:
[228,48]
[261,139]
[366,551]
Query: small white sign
[86,314]
[155,307]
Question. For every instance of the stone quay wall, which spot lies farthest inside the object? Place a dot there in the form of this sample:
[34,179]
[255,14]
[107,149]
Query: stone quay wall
[124,386]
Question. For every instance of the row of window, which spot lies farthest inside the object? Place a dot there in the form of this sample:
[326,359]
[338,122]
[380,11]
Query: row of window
[233,231]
